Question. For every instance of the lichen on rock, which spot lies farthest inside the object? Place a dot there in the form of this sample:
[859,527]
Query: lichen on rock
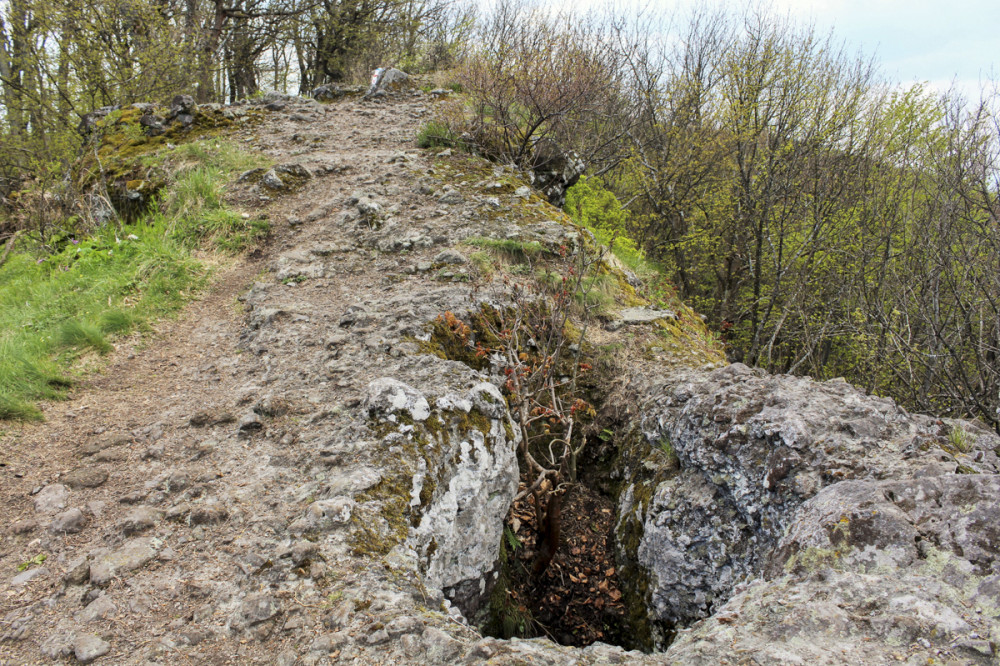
[792,490]
[450,483]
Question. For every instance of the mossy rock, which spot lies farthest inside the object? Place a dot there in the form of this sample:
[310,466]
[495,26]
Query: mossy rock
[407,444]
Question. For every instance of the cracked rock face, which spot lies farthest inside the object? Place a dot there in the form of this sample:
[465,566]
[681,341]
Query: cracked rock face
[458,463]
[814,523]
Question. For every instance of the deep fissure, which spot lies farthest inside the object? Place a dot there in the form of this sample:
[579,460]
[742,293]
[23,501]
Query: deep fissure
[570,594]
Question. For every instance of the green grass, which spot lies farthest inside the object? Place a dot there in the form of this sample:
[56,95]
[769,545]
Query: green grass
[117,321]
[80,334]
[512,250]
[594,292]
[959,439]
[436,134]
[54,308]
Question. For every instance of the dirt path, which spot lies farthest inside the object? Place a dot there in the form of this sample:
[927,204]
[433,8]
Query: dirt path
[175,497]
[124,445]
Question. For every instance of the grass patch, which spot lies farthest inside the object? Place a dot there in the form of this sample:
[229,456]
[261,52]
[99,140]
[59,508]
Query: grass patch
[596,292]
[83,334]
[436,134]
[56,306]
[194,209]
[117,322]
[511,250]
[959,439]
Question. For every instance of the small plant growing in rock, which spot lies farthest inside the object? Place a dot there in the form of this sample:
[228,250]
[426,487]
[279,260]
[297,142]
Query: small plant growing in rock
[959,439]
[537,348]
[436,134]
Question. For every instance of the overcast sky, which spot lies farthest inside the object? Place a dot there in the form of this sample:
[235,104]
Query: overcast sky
[916,40]
[937,41]
[933,41]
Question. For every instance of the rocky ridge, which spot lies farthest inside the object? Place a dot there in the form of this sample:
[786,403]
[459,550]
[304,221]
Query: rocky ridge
[285,476]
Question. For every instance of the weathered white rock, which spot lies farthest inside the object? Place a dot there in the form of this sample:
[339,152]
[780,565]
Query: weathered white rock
[129,557]
[52,498]
[642,315]
[780,492]
[88,647]
[386,397]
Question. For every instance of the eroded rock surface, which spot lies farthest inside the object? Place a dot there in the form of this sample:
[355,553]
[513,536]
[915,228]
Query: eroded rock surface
[293,474]
[817,524]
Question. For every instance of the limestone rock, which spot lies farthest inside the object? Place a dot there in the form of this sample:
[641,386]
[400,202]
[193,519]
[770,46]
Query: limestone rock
[25,577]
[389,80]
[139,520]
[641,315]
[51,499]
[255,609]
[88,647]
[788,478]
[386,397]
[129,557]
[554,170]
[70,521]
[98,609]
[85,477]
[450,257]
[461,477]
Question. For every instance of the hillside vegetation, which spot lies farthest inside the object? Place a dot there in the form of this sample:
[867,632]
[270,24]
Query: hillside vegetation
[825,220]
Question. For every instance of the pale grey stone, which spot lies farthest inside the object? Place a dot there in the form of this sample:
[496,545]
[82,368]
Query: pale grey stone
[129,557]
[25,577]
[98,609]
[88,647]
[52,498]
[70,521]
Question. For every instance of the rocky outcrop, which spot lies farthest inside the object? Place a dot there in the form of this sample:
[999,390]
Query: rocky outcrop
[775,492]
[554,170]
[386,81]
[331,92]
[453,477]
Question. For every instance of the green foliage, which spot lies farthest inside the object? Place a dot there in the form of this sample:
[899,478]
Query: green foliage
[596,291]
[55,303]
[436,134]
[512,250]
[483,261]
[36,561]
[216,154]
[513,543]
[595,207]
[667,447]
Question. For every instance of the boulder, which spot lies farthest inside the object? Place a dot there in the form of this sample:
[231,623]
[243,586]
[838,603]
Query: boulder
[88,122]
[743,490]
[389,80]
[451,481]
[182,105]
[554,170]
